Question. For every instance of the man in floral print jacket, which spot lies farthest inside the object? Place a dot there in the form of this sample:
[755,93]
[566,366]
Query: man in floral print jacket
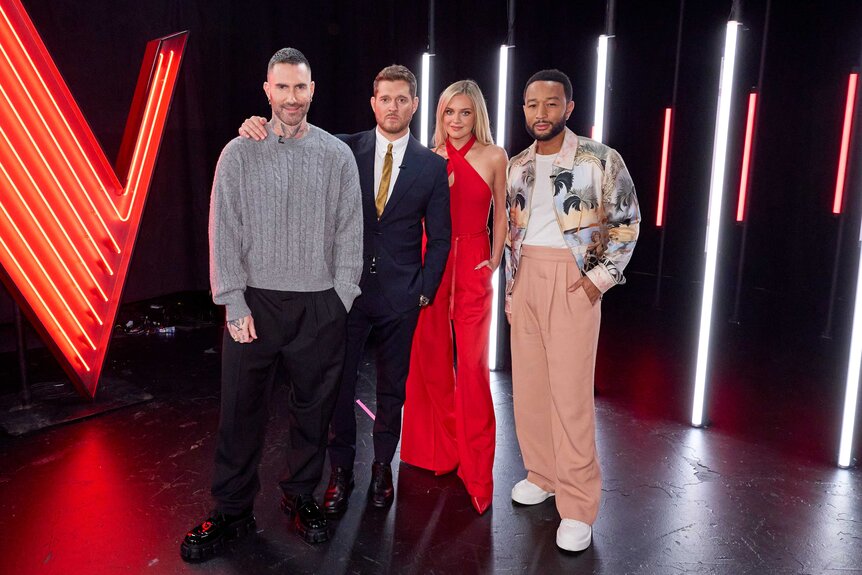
[574,221]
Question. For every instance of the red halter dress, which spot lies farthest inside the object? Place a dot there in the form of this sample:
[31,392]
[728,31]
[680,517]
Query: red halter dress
[449,414]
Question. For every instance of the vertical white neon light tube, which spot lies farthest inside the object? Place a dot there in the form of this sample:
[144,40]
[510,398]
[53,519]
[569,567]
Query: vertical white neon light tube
[713,225]
[502,87]
[502,91]
[852,391]
[601,83]
[425,100]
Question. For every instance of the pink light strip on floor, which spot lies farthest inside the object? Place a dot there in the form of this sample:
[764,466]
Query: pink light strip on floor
[366,410]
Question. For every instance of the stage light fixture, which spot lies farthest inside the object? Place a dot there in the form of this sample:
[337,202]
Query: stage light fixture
[716,192]
[849,108]
[425,101]
[746,157]
[601,83]
[851,392]
[662,180]
[502,93]
[502,103]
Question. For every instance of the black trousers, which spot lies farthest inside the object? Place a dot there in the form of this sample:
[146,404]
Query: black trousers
[394,333]
[304,332]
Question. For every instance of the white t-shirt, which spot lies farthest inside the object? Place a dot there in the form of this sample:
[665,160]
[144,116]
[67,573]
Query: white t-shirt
[543,229]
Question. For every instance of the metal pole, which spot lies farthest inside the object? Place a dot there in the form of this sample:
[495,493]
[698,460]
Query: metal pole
[610,14]
[736,10]
[660,270]
[431,23]
[610,20]
[827,331]
[26,397]
[734,318]
[510,23]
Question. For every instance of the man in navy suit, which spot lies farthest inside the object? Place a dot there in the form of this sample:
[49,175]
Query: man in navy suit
[403,183]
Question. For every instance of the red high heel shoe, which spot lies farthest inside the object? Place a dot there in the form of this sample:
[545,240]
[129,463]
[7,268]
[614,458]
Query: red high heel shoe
[480,504]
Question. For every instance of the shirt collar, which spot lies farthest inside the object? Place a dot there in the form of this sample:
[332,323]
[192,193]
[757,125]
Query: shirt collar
[398,145]
[565,157]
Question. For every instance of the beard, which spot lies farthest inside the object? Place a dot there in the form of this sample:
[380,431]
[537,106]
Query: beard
[292,118]
[555,130]
[394,125]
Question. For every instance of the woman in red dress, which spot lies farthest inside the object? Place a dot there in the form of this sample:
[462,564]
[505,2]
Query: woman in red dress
[449,414]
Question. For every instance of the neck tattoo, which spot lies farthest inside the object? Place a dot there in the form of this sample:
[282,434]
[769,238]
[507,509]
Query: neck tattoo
[289,132]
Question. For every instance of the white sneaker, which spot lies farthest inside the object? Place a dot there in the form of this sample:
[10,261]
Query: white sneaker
[574,535]
[527,493]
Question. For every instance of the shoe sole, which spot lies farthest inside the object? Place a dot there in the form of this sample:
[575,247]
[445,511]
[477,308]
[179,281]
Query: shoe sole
[380,504]
[310,535]
[532,502]
[319,535]
[234,531]
[579,548]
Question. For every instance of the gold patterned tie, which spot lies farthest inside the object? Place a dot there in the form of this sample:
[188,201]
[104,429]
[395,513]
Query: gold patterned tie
[383,188]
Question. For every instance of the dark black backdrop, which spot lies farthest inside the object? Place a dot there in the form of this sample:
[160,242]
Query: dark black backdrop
[98,45]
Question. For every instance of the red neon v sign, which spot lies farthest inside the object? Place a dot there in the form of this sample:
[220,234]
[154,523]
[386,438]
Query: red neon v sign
[68,219]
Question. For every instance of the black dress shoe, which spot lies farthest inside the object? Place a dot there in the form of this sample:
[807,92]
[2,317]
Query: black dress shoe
[207,540]
[309,520]
[338,492]
[381,492]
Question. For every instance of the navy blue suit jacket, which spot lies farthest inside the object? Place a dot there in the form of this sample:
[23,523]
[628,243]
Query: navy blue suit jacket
[421,191]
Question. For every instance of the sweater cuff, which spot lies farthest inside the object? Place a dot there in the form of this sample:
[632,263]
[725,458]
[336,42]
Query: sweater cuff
[347,292]
[237,309]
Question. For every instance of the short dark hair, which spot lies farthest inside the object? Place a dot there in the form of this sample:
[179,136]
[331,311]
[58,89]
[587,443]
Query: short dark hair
[394,73]
[288,56]
[552,75]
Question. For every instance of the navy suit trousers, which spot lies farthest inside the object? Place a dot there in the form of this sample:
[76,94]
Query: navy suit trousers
[393,333]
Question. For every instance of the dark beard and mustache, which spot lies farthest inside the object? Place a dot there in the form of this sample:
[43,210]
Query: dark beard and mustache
[553,132]
[283,113]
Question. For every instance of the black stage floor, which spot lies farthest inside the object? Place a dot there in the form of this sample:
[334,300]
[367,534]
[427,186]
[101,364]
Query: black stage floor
[757,492]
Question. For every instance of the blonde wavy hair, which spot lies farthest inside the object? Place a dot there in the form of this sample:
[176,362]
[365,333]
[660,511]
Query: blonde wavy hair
[482,126]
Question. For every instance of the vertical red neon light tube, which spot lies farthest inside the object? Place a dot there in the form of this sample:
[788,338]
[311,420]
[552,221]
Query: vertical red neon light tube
[746,157]
[837,204]
[662,181]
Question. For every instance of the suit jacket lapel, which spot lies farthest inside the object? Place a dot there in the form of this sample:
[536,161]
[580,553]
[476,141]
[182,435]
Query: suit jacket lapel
[365,162]
[411,165]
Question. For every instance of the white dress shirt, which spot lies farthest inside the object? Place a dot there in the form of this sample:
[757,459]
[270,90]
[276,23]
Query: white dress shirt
[399,146]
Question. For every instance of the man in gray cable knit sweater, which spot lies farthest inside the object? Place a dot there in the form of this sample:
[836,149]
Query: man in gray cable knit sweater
[285,261]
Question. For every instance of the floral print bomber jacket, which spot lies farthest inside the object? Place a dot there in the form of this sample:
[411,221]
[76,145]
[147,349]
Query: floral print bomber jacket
[596,206]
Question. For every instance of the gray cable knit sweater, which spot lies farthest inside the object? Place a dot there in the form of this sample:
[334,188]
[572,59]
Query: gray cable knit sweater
[285,216]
